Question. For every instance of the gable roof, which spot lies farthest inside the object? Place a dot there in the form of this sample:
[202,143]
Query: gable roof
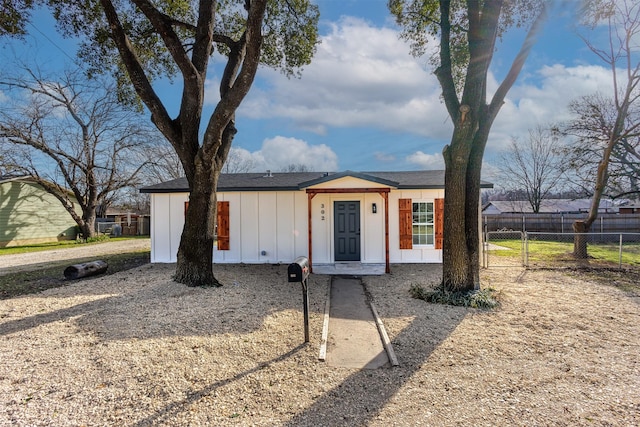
[293,181]
[31,180]
[9,178]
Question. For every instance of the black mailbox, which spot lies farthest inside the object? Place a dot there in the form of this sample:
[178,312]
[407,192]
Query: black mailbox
[298,270]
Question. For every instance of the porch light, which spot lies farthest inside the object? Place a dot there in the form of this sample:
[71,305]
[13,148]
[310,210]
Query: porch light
[374,208]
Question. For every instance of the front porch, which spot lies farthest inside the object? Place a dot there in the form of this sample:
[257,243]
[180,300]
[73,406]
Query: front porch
[350,268]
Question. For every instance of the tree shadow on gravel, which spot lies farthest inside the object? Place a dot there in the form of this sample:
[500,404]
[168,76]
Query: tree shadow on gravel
[147,304]
[17,281]
[359,398]
[362,396]
[175,408]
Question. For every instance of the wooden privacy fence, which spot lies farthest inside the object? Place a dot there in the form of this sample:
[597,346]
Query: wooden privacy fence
[560,222]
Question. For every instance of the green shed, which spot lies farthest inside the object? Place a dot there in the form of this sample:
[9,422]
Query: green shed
[29,215]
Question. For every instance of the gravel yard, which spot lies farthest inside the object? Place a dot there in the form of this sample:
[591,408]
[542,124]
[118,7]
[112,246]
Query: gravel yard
[137,349]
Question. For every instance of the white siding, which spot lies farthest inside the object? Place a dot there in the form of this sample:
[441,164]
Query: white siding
[276,222]
[373,229]
[349,182]
[167,220]
[419,254]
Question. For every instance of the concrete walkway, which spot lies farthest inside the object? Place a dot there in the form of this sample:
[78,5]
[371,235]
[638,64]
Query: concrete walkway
[353,338]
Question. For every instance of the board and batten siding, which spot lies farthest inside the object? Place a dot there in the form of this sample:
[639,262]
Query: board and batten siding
[30,215]
[417,253]
[271,226]
[264,226]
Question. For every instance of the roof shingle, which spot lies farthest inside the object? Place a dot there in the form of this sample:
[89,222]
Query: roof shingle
[291,181]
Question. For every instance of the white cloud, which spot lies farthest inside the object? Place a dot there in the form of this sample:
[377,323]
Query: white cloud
[361,76]
[545,101]
[212,91]
[426,161]
[3,97]
[280,152]
[384,157]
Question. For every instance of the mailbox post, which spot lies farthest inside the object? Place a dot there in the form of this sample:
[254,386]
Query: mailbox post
[298,271]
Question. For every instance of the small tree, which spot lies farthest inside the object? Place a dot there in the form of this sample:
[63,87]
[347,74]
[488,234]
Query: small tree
[71,134]
[297,167]
[622,18]
[533,166]
[589,131]
[237,163]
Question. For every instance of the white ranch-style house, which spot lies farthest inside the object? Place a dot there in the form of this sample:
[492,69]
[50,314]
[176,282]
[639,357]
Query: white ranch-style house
[360,217]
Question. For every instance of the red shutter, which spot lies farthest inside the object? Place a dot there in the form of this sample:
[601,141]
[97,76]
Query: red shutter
[223,226]
[186,206]
[439,222]
[406,223]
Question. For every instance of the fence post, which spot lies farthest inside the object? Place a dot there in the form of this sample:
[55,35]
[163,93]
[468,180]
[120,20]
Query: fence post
[485,248]
[525,249]
[485,244]
[620,254]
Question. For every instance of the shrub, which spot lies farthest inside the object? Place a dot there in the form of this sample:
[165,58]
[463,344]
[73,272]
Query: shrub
[486,299]
[97,238]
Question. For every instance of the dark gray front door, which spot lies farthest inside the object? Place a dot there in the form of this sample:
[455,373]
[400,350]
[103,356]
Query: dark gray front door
[347,231]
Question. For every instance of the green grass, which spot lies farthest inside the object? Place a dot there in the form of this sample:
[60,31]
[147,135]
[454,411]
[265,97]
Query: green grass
[550,251]
[51,276]
[59,245]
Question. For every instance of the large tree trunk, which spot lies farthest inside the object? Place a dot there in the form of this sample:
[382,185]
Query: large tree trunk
[87,224]
[580,228]
[455,258]
[472,207]
[195,253]
[458,271]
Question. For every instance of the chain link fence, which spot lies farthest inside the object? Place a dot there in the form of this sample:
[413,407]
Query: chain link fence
[507,248]
[503,248]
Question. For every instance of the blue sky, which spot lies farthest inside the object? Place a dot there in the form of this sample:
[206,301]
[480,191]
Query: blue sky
[365,103]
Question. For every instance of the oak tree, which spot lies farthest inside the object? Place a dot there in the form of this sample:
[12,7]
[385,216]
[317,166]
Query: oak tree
[140,41]
[466,32]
